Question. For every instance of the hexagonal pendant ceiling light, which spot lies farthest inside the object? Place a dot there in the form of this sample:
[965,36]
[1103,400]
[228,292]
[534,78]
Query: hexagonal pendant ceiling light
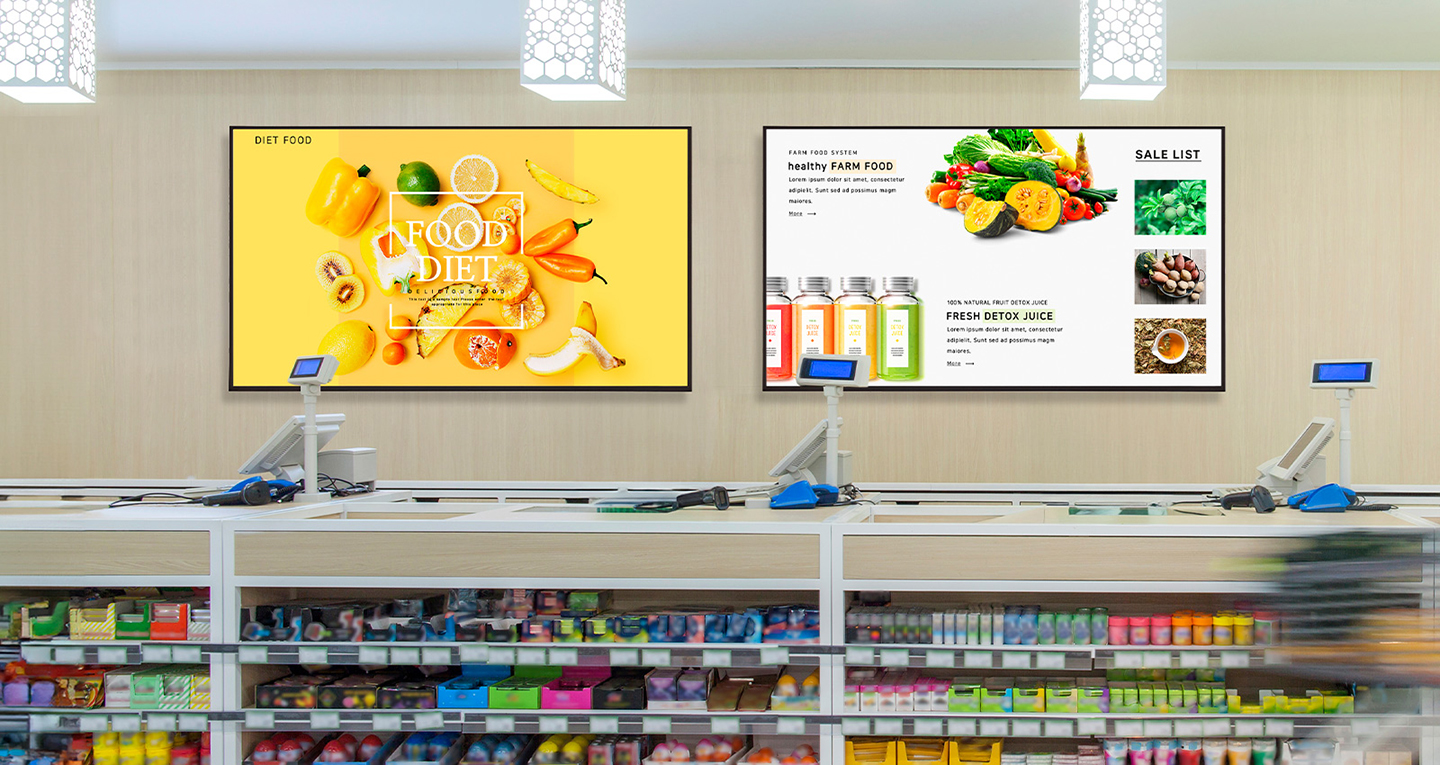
[47,51]
[575,49]
[1122,49]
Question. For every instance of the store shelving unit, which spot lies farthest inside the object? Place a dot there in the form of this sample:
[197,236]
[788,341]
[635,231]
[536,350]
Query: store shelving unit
[929,553]
[1010,554]
[372,549]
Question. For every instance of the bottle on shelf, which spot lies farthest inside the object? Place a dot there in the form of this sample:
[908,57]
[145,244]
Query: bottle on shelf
[856,313]
[815,317]
[900,330]
[779,329]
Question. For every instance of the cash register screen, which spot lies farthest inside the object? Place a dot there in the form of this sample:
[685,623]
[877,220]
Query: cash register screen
[307,367]
[1349,372]
[828,369]
[1298,447]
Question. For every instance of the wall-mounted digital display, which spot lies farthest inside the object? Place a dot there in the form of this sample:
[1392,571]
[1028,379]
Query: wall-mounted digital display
[997,258]
[462,258]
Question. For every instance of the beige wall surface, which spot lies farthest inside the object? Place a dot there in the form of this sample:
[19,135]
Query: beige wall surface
[114,322]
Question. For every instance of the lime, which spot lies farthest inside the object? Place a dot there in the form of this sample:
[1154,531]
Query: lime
[419,184]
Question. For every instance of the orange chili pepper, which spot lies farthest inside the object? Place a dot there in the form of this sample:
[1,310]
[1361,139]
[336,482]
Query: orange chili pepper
[572,267]
[555,237]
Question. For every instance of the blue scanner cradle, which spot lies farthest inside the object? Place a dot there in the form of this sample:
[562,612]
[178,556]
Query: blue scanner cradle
[1330,498]
[803,495]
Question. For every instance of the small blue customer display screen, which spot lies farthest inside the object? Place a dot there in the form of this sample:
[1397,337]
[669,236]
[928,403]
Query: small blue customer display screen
[828,369]
[308,366]
[1346,372]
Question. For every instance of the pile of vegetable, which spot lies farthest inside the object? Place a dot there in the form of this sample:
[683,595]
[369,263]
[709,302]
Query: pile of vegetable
[1172,275]
[1170,207]
[1017,177]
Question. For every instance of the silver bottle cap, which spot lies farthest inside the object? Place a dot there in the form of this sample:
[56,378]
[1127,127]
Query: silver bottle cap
[776,284]
[815,284]
[900,283]
[857,284]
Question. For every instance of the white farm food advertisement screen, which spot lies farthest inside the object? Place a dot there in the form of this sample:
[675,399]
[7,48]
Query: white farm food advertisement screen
[998,258]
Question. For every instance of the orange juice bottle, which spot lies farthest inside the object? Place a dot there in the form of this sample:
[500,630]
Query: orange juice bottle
[814,317]
[855,316]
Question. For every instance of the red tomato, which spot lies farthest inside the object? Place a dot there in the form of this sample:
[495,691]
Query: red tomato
[1099,208]
[1075,208]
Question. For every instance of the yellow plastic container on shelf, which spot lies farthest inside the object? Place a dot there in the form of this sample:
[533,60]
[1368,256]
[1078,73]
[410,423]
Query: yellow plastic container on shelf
[1244,629]
[923,751]
[975,751]
[870,752]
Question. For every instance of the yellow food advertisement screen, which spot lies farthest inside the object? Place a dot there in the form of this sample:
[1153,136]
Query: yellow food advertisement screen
[462,258]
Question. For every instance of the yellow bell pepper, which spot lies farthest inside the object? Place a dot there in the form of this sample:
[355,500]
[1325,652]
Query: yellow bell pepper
[342,198]
[394,259]
[1049,145]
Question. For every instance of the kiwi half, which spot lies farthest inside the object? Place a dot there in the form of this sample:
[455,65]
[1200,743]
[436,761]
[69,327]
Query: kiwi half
[331,266]
[346,293]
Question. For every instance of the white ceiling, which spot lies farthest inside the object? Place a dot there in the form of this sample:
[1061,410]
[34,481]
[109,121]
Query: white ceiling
[145,34]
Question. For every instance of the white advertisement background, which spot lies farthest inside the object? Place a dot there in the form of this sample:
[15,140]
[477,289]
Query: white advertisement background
[1085,269]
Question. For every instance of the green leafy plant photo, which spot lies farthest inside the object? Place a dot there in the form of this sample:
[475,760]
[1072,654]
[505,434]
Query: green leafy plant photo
[1170,207]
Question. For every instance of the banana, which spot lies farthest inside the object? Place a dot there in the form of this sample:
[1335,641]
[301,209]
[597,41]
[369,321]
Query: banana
[578,346]
[585,319]
[559,188]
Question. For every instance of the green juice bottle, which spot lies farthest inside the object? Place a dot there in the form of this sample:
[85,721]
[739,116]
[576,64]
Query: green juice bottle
[900,330]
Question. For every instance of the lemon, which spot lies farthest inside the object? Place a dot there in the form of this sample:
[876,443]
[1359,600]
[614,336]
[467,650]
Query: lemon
[474,178]
[352,343]
[463,229]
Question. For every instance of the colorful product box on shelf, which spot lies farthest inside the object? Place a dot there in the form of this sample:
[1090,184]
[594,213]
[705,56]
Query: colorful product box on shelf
[522,689]
[134,625]
[42,685]
[409,694]
[574,689]
[1027,696]
[171,620]
[96,620]
[1092,696]
[964,697]
[357,691]
[117,686]
[293,692]
[471,690]
[757,695]
[44,618]
[1061,696]
[622,691]
[797,690]
[678,689]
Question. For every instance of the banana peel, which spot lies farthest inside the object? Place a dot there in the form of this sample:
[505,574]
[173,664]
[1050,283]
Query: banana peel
[560,188]
[580,344]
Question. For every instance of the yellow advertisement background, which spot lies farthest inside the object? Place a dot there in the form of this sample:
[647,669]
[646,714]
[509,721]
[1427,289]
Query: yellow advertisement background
[639,242]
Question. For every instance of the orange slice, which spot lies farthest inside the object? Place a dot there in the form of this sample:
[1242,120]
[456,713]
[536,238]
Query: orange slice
[526,314]
[462,231]
[509,280]
[474,178]
[506,213]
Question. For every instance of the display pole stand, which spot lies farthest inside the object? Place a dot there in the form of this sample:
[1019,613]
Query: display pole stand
[310,491]
[832,431]
[1344,395]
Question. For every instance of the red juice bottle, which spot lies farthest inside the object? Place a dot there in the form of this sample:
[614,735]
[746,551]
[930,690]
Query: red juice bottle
[779,330]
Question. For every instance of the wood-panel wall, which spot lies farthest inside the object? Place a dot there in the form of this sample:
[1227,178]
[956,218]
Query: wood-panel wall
[113,324]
